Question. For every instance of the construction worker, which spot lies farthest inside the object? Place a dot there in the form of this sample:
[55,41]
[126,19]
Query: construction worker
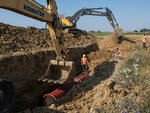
[144,40]
[84,63]
[118,53]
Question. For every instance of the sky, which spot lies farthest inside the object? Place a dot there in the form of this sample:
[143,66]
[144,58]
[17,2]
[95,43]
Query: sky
[130,14]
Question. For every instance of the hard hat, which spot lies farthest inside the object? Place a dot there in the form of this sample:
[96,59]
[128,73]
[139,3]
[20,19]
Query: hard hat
[83,55]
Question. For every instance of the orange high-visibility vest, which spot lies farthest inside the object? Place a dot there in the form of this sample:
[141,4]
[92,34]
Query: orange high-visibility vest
[84,60]
[144,39]
[120,53]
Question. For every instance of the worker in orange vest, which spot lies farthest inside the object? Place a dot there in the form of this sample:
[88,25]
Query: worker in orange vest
[144,40]
[118,53]
[84,63]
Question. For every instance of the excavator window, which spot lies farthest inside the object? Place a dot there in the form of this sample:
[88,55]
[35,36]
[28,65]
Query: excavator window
[70,19]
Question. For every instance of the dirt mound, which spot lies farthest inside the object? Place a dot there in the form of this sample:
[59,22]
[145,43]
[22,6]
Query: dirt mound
[14,39]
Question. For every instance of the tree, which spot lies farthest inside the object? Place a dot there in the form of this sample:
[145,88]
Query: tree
[135,31]
[92,31]
[145,30]
[98,31]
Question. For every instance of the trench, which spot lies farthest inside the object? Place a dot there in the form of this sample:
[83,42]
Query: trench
[24,70]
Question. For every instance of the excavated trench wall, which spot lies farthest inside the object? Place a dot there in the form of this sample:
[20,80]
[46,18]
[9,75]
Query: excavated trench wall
[24,69]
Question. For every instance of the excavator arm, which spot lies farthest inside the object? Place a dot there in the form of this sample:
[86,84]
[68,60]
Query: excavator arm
[69,23]
[33,9]
[28,8]
[58,71]
[95,12]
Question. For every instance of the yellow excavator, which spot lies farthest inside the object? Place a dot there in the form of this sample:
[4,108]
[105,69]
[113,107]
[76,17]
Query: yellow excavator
[59,70]
[33,9]
[69,22]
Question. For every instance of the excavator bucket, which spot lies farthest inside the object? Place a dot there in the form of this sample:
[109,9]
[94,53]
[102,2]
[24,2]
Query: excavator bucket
[116,36]
[59,72]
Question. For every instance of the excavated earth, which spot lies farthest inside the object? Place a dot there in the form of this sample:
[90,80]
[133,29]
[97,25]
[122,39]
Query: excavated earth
[24,57]
[82,98]
[18,39]
[97,88]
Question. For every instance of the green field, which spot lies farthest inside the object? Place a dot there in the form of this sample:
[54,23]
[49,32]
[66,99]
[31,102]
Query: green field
[134,33]
[110,33]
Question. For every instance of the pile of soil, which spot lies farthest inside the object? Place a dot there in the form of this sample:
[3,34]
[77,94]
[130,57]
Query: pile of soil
[16,39]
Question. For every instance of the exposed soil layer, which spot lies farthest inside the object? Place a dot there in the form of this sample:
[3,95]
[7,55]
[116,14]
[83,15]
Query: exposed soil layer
[82,98]
[24,57]
[99,87]
[14,39]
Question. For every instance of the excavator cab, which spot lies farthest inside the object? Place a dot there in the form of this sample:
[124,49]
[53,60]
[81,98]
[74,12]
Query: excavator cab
[70,19]
[67,22]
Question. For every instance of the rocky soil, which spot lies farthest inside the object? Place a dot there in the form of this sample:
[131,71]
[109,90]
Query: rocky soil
[20,39]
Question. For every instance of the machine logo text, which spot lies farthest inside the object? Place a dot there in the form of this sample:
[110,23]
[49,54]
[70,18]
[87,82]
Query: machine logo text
[34,11]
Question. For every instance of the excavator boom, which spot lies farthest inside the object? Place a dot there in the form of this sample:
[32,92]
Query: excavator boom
[33,9]
[27,8]
[70,21]
[94,12]
[48,14]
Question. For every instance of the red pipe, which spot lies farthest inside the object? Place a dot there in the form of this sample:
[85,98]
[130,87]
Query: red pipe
[82,76]
[59,92]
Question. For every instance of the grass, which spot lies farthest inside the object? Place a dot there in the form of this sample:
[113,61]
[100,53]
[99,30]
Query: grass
[134,33]
[100,33]
[134,80]
[109,33]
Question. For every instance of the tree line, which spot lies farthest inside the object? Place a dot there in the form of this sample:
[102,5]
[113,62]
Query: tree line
[143,30]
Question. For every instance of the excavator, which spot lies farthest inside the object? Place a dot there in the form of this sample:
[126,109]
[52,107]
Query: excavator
[59,70]
[69,22]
